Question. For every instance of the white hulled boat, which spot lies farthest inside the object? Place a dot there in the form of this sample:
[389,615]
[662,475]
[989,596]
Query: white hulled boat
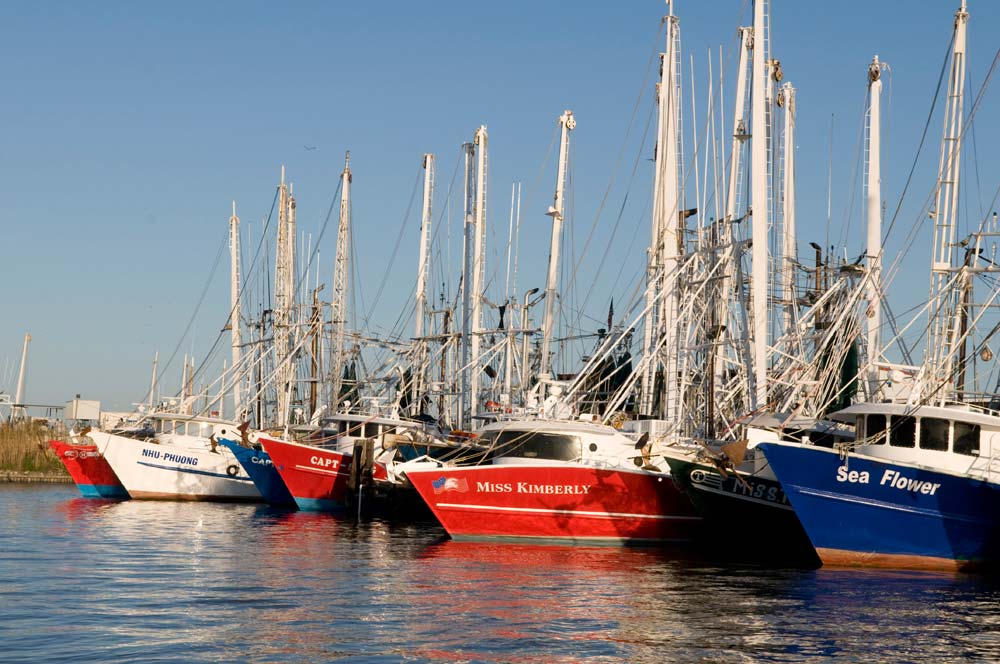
[180,461]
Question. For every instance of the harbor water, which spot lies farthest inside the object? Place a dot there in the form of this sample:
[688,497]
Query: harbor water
[86,580]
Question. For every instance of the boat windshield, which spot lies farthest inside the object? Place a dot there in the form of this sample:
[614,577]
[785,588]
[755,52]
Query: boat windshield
[538,445]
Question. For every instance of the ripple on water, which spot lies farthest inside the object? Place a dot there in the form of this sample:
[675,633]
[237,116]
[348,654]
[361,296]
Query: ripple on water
[87,580]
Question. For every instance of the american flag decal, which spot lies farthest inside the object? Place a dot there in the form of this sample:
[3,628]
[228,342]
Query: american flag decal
[443,484]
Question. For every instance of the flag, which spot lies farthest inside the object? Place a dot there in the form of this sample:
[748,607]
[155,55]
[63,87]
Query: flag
[443,484]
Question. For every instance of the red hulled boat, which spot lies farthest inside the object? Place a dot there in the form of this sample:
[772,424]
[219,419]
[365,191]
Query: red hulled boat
[567,481]
[315,476]
[89,469]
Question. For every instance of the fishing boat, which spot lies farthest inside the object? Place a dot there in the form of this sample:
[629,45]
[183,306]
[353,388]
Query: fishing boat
[182,461]
[920,489]
[316,477]
[89,469]
[258,465]
[575,482]
[747,514]
[920,486]
[317,469]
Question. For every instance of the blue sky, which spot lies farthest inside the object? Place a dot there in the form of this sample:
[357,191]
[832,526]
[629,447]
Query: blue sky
[127,129]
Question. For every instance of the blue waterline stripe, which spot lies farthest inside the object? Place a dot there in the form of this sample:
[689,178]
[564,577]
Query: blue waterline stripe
[194,472]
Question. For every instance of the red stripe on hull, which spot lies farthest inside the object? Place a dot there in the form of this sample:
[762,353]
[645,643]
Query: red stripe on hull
[842,558]
[85,464]
[310,472]
[563,502]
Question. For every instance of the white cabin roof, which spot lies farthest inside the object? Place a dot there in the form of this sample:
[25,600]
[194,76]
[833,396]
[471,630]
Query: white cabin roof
[957,413]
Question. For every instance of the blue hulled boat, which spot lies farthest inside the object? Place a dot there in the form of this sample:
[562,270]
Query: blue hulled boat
[257,464]
[920,489]
[920,486]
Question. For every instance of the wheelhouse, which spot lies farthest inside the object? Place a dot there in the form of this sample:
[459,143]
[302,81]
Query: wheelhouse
[954,438]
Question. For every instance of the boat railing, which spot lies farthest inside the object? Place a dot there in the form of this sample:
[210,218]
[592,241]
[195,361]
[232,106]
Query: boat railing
[981,403]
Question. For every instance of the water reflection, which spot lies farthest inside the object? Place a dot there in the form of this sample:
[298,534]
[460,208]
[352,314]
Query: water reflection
[143,581]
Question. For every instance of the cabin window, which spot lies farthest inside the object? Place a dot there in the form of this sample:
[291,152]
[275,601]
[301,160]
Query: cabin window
[966,438]
[874,431]
[535,445]
[371,430]
[342,427]
[903,431]
[934,434]
[178,427]
[822,439]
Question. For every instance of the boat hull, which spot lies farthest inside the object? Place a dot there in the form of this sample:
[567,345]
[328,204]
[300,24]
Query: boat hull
[863,511]
[170,472]
[260,468]
[316,477]
[89,469]
[747,517]
[563,502]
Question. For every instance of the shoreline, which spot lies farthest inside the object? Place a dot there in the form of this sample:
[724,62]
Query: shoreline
[33,477]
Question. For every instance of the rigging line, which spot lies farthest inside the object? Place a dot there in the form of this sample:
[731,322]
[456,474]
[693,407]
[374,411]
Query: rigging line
[923,138]
[829,188]
[304,277]
[845,230]
[444,225]
[975,159]
[257,253]
[407,311]
[614,170]
[357,289]
[442,267]
[243,286]
[911,237]
[646,213]
[194,314]
[218,258]
[395,249]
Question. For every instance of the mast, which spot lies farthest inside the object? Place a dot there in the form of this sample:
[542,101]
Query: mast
[422,270]
[22,372]
[566,123]
[478,267]
[152,382]
[944,305]
[316,327]
[789,241]
[473,268]
[874,204]
[468,243]
[759,206]
[338,303]
[184,385]
[282,304]
[661,279]
[425,234]
[733,193]
[234,311]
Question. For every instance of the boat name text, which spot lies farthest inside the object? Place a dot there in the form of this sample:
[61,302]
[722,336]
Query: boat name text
[525,487]
[890,477]
[169,456]
[324,463]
